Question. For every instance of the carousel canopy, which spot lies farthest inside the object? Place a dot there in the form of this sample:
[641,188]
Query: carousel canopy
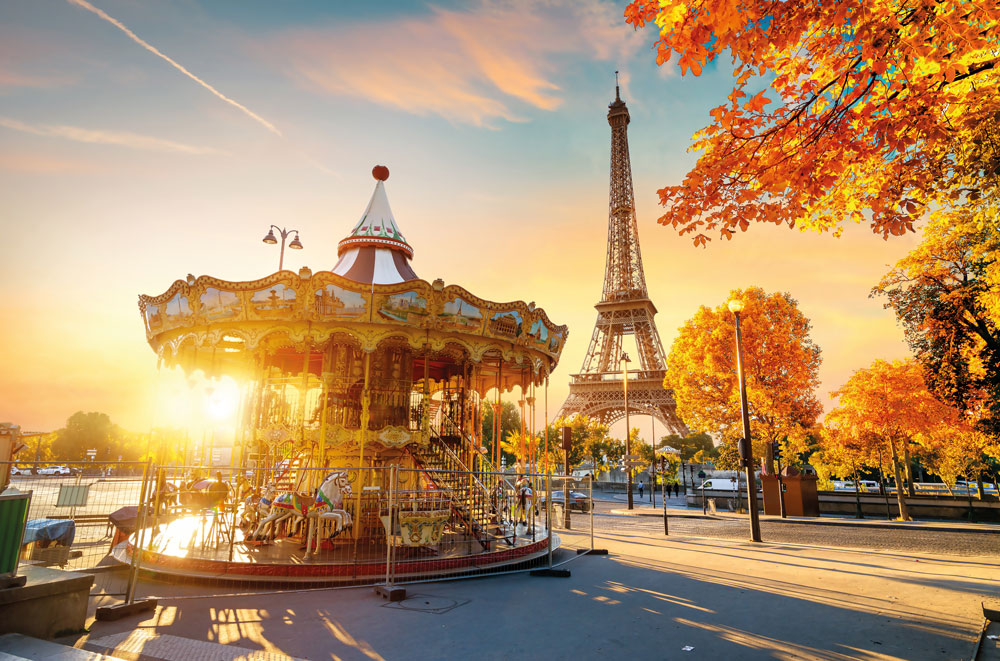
[375,251]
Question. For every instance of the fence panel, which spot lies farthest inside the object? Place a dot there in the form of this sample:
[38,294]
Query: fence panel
[572,512]
[79,512]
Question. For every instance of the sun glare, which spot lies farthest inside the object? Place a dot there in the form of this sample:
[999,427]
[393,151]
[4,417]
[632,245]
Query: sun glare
[193,402]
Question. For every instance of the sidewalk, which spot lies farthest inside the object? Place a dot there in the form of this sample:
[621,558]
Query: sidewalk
[651,597]
[676,508]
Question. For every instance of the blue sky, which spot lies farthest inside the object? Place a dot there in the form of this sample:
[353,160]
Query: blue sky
[119,173]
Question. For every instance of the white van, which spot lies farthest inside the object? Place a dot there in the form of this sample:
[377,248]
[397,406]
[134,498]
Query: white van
[718,484]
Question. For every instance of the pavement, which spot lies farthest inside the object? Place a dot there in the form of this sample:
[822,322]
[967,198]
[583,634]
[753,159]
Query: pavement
[650,597]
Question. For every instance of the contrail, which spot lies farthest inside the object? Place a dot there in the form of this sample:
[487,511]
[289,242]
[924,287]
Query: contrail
[83,4]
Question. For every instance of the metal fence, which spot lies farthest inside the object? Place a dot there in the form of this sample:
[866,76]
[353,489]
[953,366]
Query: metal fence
[79,511]
[186,531]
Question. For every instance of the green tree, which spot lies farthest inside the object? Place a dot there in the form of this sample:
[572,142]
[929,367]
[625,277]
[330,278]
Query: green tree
[688,445]
[84,431]
[510,422]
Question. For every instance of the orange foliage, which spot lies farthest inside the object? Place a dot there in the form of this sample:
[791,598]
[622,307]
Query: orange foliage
[887,105]
[881,410]
[781,364]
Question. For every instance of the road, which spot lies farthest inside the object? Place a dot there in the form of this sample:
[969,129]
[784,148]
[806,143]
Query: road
[864,537]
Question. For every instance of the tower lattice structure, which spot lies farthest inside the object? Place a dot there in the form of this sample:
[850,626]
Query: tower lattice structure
[625,309]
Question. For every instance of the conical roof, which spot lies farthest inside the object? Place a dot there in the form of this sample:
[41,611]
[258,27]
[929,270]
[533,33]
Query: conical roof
[375,251]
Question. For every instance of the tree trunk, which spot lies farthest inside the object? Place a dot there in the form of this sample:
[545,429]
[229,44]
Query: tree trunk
[904,514]
[908,468]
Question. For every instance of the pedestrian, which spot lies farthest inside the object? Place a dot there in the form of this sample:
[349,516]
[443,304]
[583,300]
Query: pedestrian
[640,489]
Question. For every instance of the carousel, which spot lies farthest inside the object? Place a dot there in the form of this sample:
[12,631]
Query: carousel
[359,450]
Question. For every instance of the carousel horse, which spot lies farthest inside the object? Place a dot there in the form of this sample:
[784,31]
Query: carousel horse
[328,500]
[525,500]
[329,507]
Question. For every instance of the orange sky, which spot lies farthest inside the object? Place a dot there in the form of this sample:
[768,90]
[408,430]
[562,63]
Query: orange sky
[120,173]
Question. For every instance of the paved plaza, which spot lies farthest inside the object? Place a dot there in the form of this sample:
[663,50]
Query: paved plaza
[655,597]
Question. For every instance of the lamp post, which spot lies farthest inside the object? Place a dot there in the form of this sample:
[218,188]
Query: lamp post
[270,239]
[746,451]
[624,361]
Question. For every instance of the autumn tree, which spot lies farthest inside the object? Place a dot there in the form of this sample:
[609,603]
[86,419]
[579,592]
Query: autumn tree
[945,296]
[954,448]
[781,364]
[837,108]
[845,450]
[889,403]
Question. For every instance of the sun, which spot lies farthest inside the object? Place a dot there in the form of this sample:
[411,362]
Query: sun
[222,398]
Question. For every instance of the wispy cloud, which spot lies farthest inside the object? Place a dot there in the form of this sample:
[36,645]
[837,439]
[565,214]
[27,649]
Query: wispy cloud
[476,66]
[35,163]
[83,4]
[120,138]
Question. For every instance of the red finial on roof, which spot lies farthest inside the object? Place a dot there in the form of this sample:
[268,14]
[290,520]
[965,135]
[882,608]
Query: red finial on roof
[380,172]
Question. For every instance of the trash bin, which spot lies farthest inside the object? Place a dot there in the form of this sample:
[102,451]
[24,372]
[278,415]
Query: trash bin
[13,517]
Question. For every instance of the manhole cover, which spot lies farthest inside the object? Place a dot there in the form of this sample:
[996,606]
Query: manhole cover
[427,603]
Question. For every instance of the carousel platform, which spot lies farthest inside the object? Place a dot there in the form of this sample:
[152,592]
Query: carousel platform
[187,547]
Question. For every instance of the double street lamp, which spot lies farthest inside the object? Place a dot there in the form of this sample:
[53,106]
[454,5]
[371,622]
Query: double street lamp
[295,244]
[746,447]
[624,361]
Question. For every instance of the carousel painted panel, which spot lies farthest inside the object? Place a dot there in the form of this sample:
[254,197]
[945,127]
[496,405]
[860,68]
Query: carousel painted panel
[544,338]
[408,307]
[506,324]
[276,301]
[460,315]
[334,303]
[220,305]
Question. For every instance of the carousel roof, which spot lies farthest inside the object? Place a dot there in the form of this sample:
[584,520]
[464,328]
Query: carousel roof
[375,251]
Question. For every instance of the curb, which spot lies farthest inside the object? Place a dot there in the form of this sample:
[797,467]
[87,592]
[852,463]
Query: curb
[934,526]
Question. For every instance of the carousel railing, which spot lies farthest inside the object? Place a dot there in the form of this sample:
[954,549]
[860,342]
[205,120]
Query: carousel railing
[468,496]
[492,484]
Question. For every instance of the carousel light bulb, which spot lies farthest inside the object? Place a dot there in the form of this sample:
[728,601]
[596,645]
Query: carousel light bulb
[270,239]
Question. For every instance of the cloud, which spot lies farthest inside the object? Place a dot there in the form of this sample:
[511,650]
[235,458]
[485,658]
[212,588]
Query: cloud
[83,4]
[120,138]
[474,66]
[40,164]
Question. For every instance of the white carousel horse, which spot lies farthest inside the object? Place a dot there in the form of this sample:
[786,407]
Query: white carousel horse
[329,507]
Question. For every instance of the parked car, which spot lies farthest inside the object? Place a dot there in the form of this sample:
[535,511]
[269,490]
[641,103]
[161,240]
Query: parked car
[577,500]
[56,470]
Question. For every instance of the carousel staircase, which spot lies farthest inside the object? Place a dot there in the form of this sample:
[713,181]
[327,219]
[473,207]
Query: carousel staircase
[477,494]
[288,473]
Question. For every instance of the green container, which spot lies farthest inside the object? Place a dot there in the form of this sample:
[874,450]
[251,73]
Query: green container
[13,517]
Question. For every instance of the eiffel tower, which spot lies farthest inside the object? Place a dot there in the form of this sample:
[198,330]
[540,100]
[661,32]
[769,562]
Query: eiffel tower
[624,309]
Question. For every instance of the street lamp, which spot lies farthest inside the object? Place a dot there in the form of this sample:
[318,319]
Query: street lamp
[746,451]
[624,361]
[270,239]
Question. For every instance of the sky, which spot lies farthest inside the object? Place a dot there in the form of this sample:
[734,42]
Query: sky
[144,140]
